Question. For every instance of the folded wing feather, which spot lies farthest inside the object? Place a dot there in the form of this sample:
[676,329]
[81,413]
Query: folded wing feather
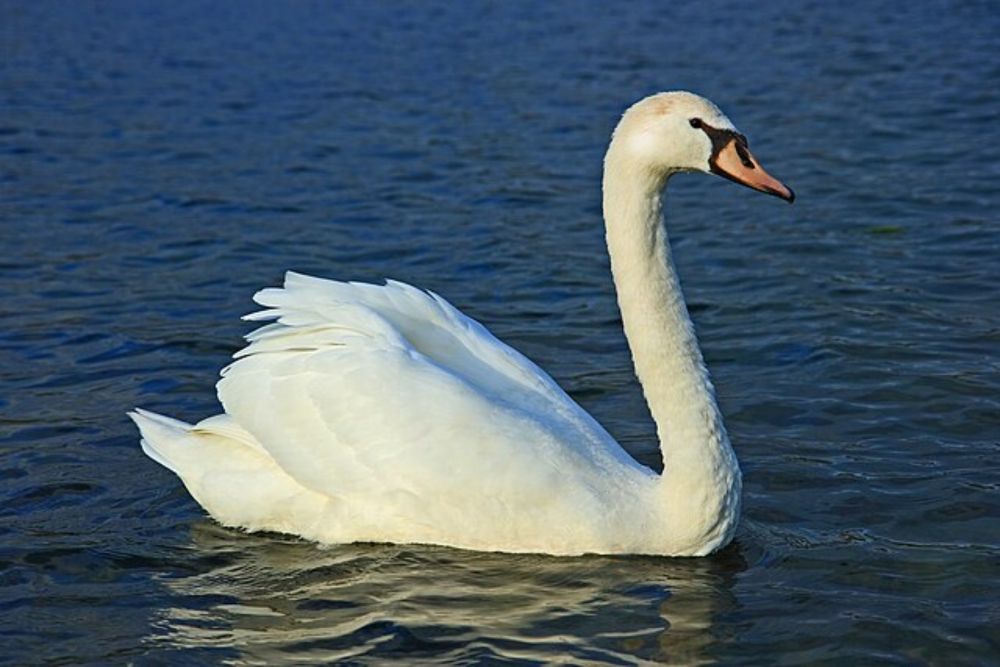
[387,398]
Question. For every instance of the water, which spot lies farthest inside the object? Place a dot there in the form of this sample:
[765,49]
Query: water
[161,162]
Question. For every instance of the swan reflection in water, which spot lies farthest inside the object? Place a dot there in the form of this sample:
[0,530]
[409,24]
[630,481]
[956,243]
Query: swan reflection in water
[266,598]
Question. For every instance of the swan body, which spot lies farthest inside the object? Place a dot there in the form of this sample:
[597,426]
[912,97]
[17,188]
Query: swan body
[381,413]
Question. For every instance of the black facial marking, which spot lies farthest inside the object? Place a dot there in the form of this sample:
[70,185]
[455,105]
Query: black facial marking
[744,154]
[695,123]
[720,139]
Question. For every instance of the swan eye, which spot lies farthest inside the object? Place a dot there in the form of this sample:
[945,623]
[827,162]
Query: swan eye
[695,123]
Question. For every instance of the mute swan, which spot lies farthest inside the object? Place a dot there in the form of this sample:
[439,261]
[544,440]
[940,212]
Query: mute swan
[380,413]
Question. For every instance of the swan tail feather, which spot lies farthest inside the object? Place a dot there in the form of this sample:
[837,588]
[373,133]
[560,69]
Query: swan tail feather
[229,474]
[160,436]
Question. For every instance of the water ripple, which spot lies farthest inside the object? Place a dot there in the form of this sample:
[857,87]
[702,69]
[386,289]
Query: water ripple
[160,163]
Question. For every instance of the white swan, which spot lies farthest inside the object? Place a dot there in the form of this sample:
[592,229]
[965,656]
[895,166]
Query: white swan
[383,414]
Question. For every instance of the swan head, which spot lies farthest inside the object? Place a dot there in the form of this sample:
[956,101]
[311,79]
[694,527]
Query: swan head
[679,131]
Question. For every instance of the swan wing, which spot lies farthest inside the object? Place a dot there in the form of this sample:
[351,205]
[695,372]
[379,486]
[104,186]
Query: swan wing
[408,414]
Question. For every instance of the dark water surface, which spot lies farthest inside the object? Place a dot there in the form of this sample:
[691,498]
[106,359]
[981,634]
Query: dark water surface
[160,162]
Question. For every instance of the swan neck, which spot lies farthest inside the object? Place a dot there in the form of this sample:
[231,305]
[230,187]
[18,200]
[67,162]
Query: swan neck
[660,334]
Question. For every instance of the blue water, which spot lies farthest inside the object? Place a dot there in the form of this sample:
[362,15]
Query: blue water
[162,161]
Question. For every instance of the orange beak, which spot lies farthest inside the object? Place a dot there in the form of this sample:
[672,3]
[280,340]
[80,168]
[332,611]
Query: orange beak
[734,161]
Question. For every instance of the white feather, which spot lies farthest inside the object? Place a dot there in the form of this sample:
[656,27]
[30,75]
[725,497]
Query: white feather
[362,412]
